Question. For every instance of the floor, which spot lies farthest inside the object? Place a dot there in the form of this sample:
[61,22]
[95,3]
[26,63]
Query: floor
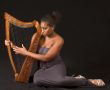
[7,81]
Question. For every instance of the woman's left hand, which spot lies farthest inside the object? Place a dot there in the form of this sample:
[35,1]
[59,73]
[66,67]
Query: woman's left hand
[20,50]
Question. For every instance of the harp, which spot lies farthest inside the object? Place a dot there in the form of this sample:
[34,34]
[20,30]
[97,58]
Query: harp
[25,71]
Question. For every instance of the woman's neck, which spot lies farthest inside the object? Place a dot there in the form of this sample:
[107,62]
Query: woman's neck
[50,36]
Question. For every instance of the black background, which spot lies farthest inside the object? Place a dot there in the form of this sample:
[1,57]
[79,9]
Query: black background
[85,27]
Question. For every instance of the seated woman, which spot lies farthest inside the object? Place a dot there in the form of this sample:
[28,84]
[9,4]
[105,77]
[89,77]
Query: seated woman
[52,70]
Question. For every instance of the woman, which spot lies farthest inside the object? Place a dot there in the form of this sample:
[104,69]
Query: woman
[52,70]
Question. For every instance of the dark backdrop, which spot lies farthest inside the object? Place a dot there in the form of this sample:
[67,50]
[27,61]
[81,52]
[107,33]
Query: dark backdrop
[85,27]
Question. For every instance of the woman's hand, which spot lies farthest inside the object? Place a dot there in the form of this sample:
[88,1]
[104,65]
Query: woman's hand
[7,43]
[20,50]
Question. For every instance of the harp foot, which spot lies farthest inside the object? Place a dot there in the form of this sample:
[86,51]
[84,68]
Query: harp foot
[16,76]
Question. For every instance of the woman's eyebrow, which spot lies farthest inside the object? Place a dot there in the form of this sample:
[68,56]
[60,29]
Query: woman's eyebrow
[44,27]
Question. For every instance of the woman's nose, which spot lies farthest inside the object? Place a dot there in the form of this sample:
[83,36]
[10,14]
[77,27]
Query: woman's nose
[42,31]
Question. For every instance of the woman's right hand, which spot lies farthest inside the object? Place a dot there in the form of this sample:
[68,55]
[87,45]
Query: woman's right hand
[7,43]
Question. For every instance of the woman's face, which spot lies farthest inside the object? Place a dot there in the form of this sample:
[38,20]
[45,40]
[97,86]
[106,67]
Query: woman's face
[46,29]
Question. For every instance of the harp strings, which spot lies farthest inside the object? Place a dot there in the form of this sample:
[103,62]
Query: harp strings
[19,36]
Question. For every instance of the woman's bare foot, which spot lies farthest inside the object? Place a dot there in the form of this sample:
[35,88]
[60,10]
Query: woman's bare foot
[79,77]
[97,82]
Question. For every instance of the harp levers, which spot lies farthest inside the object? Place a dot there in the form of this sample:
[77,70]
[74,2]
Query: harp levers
[24,74]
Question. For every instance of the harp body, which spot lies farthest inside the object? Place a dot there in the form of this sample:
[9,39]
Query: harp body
[24,74]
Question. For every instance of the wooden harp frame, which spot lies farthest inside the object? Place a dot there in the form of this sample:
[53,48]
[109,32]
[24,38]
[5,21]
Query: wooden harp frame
[24,74]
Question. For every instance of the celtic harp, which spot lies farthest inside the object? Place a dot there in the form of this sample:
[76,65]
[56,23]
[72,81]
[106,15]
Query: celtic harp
[24,73]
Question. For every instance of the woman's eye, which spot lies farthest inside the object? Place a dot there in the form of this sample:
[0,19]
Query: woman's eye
[44,28]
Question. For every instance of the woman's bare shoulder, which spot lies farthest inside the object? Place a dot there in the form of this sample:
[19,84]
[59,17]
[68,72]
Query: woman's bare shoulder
[59,39]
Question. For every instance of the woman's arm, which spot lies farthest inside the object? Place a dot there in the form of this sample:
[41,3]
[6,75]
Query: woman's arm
[53,51]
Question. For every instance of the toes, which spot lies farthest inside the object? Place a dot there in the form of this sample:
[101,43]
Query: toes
[99,83]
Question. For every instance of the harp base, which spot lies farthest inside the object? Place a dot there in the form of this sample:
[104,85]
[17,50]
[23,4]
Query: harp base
[18,79]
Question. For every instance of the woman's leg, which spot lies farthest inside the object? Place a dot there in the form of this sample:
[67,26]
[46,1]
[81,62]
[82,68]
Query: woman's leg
[56,76]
